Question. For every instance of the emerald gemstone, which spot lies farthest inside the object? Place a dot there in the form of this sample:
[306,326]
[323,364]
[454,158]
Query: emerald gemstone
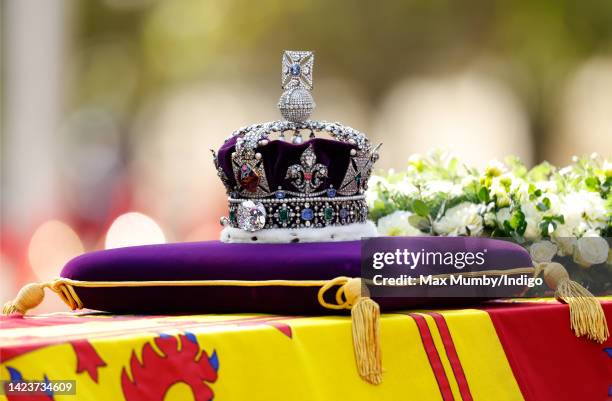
[283,215]
[232,216]
[328,213]
[358,178]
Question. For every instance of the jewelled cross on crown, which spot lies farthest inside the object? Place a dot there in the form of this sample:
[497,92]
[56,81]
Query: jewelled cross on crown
[297,69]
[296,103]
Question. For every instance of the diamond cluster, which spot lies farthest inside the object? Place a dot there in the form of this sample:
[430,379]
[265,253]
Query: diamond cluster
[296,104]
[250,216]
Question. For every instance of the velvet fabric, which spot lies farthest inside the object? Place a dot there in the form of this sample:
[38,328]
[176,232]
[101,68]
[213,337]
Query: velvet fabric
[278,155]
[215,260]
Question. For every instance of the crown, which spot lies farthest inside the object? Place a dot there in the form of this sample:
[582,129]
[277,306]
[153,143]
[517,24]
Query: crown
[295,173]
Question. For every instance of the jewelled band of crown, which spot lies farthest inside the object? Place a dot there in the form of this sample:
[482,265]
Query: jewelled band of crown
[313,213]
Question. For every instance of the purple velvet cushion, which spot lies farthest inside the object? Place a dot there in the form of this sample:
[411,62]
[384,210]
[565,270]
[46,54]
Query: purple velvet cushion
[215,260]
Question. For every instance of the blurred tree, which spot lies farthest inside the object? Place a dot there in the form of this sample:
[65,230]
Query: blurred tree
[372,44]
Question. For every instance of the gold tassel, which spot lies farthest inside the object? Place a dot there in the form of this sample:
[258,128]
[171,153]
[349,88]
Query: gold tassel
[365,318]
[30,296]
[587,317]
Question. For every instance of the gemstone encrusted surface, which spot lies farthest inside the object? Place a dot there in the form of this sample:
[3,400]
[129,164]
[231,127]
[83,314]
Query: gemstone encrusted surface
[288,213]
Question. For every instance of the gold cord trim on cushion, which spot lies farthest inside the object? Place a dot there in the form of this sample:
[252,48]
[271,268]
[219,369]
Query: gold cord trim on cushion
[32,294]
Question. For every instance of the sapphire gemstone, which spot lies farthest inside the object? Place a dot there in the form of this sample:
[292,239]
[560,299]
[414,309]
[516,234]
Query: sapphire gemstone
[307,214]
[295,69]
[344,213]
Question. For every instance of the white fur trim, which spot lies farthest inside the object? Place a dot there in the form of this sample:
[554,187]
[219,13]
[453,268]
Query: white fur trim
[347,232]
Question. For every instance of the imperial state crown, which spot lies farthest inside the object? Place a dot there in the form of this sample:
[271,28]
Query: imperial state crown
[296,179]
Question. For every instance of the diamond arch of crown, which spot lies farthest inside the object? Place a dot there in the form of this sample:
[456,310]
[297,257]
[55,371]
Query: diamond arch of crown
[250,137]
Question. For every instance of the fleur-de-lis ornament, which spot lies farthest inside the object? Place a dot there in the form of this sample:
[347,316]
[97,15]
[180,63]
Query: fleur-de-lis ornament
[308,175]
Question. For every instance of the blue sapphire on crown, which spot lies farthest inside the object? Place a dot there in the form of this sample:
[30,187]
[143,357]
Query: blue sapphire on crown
[295,69]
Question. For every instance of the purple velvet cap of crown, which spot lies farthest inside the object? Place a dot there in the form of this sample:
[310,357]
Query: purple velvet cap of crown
[278,155]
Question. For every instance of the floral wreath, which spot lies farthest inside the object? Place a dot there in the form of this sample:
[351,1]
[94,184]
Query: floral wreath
[554,212]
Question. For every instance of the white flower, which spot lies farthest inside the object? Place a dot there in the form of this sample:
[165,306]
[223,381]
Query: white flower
[595,208]
[520,188]
[405,187]
[499,190]
[582,210]
[607,168]
[460,220]
[591,251]
[373,192]
[468,180]
[546,186]
[503,215]
[565,240]
[555,203]
[533,218]
[489,219]
[495,168]
[397,224]
[431,188]
[542,251]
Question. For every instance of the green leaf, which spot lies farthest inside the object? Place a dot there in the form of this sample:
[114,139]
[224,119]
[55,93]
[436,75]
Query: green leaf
[559,218]
[419,222]
[592,183]
[540,172]
[517,219]
[379,204]
[544,205]
[483,195]
[420,208]
[545,226]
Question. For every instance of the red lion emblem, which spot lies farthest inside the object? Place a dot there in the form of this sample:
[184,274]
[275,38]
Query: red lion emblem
[152,379]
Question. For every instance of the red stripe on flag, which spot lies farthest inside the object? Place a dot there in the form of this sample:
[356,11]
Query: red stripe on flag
[434,358]
[548,361]
[453,357]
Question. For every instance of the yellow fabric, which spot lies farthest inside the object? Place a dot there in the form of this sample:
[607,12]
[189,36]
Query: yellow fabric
[258,361]
[482,356]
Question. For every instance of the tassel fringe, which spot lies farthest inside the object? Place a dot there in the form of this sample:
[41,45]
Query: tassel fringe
[586,314]
[365,317]
[365,322]
[31,295]
[587,317]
